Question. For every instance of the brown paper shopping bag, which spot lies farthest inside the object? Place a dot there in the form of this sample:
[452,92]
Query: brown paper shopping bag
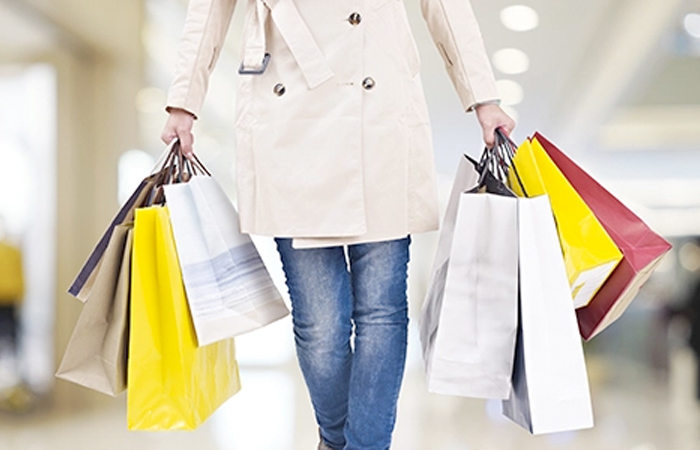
[96,353]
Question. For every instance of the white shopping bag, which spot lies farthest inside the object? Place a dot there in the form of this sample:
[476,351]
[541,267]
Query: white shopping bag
[550,384]
[469,318]
[228,288]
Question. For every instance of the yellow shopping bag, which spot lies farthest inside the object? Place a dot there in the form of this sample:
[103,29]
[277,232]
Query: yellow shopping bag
[172,383]
[590,253]
[11,274]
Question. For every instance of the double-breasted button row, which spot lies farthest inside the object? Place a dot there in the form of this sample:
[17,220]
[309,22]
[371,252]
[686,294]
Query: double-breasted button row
[279,89]
[355,19]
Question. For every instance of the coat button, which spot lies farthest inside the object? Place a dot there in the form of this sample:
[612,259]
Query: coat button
[279,89]
[355,19]
[368,83]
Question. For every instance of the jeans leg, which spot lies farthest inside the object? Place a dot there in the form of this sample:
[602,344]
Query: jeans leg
[319,288]
[379,272]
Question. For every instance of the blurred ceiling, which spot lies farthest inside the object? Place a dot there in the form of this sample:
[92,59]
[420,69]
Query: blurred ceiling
[615,83]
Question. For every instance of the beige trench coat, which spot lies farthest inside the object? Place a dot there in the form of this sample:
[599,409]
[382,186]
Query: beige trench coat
[333,138]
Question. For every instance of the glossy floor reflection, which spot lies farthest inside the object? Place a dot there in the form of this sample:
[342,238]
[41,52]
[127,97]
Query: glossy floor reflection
[635,409]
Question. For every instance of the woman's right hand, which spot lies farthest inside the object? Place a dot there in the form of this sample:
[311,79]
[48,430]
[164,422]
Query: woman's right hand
[179,125]
[490,117]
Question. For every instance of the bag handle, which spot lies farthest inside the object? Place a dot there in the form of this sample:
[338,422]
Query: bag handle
[174,168]
[197,166]
[498,160]
[510,148]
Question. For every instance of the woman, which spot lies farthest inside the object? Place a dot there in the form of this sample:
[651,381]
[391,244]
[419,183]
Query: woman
[334,159]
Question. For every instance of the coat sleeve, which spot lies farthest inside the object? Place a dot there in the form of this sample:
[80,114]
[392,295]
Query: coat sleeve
[205,29]
[457,36]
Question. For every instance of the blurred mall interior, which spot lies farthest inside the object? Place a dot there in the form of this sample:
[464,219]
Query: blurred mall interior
[615,83]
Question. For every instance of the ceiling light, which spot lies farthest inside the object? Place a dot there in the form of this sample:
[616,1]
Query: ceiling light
[511,92]
[519,18]
[689,256]
[511,61]
[691,23]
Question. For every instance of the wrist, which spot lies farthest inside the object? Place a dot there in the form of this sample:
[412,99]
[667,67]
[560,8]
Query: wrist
[173,110]
[480,105]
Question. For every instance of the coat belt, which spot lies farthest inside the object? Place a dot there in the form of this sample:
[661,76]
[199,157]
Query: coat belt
[296,35]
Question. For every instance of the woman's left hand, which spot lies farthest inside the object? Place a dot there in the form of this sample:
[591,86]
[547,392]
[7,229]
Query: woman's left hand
[490,117]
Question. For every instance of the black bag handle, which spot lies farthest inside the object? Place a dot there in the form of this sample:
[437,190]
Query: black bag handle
[497,161]
[511,148]
[176,168]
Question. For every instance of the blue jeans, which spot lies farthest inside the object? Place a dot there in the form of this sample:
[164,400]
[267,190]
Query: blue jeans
[353,382]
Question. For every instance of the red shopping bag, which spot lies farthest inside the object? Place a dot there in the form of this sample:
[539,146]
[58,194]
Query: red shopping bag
[641,247]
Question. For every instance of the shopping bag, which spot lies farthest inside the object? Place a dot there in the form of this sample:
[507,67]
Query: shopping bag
[590,254]
[96,353]
[229,290]
[11,274]
[550,385]
[468,320]
[173,383]
[144,195]
[641,247]
[85,280]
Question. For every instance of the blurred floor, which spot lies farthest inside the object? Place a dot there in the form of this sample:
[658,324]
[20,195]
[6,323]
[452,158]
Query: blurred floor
[635,409]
